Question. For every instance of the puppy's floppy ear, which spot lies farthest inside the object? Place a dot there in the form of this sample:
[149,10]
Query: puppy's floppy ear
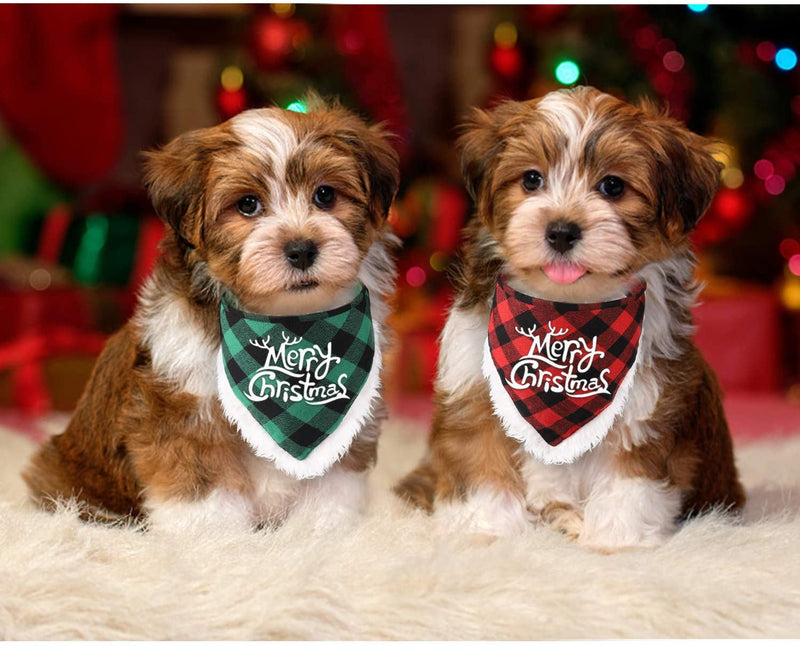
[478,143]
[175,178]
[687,175]
[380,165]
[384,168]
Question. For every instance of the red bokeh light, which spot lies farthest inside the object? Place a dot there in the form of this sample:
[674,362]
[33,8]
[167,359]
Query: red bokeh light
[507,61]
[766,51]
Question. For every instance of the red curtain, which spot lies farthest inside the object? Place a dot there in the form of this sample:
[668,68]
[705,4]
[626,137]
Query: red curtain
[60,95]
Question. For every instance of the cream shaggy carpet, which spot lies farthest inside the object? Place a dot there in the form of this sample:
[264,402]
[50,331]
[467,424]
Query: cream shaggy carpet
[394,578]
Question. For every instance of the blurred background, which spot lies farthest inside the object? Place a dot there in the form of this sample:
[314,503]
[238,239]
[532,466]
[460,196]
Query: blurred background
[86,88]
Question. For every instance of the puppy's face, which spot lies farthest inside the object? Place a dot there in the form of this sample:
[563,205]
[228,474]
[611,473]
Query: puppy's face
[581,190]
[279,207]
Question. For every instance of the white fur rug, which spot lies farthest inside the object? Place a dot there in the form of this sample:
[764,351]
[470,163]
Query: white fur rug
[394,578]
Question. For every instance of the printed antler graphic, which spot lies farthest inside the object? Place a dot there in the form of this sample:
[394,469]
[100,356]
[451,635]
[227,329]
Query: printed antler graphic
[286,338]
[560,332]
[528,332]
[261,343]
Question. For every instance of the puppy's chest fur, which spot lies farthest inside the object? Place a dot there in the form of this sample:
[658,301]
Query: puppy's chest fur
[183,342]
[638,423]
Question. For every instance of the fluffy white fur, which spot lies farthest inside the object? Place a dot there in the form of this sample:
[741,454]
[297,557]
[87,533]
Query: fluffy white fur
[168,329]
[459,362]
[220,508]
[393,577]
[487,511]
[267,138]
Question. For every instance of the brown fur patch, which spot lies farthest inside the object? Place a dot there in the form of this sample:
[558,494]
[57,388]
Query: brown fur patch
[467,449]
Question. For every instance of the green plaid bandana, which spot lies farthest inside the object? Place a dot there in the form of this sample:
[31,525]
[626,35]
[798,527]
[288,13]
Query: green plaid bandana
[299,388]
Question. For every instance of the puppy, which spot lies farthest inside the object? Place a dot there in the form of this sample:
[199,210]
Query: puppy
[584,209]
[276,219]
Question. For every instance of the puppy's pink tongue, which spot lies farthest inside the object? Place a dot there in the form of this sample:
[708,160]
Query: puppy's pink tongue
[563,272]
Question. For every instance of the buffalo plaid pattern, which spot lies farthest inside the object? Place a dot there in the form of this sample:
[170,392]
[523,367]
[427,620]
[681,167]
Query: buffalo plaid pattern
[298,426]
[617,326]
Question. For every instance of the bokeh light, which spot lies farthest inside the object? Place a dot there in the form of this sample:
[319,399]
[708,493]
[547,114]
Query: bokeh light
[567,72]
[439,261]
[697,8]
[763,168]
[732,177]
[284,10]
[774,184]
[673,61]
[505,34]
[786,59]
[794,264]
[646,37]
[231,78]
[40,279]
[297,106]
[415,276]
[789,247]
[765,51]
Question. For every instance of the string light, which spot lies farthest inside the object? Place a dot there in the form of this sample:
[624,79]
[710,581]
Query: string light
[297,106]
[567,72]
[786,59]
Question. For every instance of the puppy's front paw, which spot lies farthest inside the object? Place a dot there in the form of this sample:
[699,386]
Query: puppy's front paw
[564,518]
[486,512]
[631,513]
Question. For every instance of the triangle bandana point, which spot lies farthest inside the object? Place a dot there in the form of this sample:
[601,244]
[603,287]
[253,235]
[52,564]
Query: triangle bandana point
[299,388]
[560,373]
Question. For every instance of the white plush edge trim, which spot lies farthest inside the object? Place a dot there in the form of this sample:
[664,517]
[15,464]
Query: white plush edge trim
[583,440]
[330,450]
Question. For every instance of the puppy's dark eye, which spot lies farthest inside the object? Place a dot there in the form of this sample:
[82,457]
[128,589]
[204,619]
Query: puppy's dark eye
[249,205]
[611,186]
[532,180]
[324,196]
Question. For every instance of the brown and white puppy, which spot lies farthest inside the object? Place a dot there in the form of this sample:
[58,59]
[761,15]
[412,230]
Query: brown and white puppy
[630,184]
[148,437]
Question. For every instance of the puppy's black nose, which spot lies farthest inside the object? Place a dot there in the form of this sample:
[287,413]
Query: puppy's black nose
[301,253]
[562,236]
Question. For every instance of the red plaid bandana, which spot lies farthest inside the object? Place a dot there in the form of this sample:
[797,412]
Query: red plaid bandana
[559,373]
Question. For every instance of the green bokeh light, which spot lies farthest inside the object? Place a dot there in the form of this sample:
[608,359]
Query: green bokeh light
[297,106]
[567,72]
